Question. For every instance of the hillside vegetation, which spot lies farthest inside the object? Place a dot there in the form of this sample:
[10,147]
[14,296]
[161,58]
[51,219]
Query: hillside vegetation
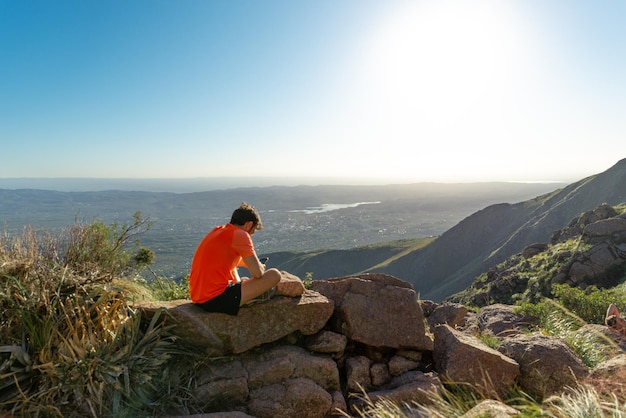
[71,344]
[589,253]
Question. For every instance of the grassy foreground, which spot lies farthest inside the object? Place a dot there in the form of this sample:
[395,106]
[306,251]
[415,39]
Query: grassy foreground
[71,345]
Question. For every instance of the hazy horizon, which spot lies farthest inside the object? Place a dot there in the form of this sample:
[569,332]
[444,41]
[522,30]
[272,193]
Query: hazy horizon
[190,185]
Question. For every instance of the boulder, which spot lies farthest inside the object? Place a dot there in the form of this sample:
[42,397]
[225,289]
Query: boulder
[502,321]
[289,285]
[449,313]
[298,397]
[415,386]
[221,334]
[534,249]
[578,225]
[612,228]
[547,364]
[463,358]
[327,342]
[598,261]
[284,381]
[358,376]
[221,386]
[376,310]
[379,373]
[609,377]
[614,367]
[491,408]
[399,365]
[267,367]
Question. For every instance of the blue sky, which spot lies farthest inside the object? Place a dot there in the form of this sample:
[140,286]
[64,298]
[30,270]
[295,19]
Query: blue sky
[520,90]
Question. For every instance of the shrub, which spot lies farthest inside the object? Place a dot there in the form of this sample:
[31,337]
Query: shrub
[98,252]
[589,304]
[556,320]
[166,289]
[70,344]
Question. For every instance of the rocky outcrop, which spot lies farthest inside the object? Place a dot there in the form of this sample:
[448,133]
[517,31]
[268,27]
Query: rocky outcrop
[453,314]
[597,256]
[255,325]
[364,333]
[547,364]
[502,321]
[283,381]
[376,310]
[464,358]
[604,232]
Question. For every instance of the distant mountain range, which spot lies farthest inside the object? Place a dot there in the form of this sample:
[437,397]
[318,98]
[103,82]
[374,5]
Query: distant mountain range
[487,237]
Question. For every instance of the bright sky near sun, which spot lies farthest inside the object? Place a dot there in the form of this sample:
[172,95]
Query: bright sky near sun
[422,90]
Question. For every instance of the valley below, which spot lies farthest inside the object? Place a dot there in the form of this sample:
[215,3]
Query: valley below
[296,219]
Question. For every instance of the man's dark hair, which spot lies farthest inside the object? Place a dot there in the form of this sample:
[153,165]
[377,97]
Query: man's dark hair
[246,213]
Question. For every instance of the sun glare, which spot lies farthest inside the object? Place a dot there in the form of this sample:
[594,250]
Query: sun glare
[444,76]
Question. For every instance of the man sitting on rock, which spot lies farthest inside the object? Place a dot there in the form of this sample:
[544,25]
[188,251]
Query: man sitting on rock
[214,282]
[614,320]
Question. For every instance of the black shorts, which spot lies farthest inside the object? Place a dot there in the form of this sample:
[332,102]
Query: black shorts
[228,302]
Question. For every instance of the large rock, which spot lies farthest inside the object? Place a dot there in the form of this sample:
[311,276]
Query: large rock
[289,285]
[602,259]
[452,314]
[547,364]
[221,334]
[491,408]
[299,397]
[414,386]
[463,358]
[377,310]
[284,381]
[502,321]
[609,377]
[613,229]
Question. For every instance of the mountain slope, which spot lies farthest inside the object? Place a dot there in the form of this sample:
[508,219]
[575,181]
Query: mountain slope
[489,236]
[338,263]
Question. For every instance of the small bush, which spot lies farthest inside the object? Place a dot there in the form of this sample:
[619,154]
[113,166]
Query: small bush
[166,289]
[70,343]
[556,320]
[589,304]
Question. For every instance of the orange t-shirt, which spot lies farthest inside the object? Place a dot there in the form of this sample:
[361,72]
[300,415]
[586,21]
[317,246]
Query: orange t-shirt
[216,258]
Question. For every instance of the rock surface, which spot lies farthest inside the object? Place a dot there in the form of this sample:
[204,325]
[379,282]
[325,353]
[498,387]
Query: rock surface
[376,310]
[546,364]
[312,355]
[221,334]
[463,358]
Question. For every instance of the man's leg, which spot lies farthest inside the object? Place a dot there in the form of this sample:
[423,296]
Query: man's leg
[252,288]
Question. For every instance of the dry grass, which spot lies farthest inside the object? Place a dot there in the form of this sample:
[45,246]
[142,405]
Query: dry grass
[70,343]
